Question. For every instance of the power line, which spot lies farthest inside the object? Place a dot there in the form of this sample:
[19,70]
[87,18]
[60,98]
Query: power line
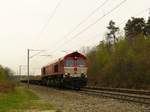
[37,53]
[77,26]
[83,21]
[92,24]
[50,18]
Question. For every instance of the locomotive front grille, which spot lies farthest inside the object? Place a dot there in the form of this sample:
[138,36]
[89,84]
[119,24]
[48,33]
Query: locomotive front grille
[75,73]
[69,70]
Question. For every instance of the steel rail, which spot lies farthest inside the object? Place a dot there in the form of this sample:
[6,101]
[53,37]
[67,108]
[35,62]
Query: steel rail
[138,98]
[134,91]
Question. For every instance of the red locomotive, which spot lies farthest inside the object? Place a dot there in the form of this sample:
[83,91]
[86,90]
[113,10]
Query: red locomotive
[69,71]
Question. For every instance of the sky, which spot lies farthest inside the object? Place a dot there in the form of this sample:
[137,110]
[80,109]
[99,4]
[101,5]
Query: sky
[54,26]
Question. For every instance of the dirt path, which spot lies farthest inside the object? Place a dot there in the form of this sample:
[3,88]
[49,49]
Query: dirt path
[69,101]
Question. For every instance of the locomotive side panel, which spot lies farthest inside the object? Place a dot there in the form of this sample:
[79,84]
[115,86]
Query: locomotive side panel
[61,68]
[53,69]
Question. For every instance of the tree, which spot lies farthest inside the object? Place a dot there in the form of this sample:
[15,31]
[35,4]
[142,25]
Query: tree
[133,27]
[147,28]
[5,73]
[112,31]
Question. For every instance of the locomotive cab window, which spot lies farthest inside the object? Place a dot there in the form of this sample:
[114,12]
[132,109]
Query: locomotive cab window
[69,63]
[80,62]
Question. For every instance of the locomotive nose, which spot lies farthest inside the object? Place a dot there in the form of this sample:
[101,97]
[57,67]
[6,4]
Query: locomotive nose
[75,69]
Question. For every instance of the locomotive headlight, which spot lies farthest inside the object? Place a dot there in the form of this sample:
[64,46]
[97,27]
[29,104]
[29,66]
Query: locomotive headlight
[82,75]
[68,74]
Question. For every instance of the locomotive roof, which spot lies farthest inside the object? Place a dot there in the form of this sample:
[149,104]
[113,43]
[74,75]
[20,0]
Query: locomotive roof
[77,54]
[73,54]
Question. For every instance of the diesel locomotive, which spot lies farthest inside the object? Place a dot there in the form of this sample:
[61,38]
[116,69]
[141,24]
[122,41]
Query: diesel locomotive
[69,71]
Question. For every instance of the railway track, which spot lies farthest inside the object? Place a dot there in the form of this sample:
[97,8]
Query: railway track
[140,96]
[123,90]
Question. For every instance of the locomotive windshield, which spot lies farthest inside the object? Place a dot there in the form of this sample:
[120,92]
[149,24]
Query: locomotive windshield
[80,62]
[69,63]
[72,63]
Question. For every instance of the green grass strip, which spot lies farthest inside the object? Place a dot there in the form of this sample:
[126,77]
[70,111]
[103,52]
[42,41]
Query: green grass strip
[22,99]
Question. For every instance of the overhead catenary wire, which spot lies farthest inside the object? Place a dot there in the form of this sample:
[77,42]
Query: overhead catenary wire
[49,20]
[36,54]
[45,25]
[84,20]
[78,25]
[92,24]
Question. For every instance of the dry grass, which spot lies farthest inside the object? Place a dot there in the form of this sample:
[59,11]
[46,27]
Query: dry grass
[6,86]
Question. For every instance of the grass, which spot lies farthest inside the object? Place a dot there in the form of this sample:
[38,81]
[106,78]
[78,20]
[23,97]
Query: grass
[22,99]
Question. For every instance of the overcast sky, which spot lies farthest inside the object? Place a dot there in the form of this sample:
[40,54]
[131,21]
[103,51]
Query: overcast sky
[45,24]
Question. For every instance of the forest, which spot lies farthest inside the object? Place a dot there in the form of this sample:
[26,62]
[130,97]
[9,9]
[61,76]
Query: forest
[122,61]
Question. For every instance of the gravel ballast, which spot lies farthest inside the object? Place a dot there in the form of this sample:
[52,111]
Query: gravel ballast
[72,101]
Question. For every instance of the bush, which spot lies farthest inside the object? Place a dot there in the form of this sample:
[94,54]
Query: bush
[6,83]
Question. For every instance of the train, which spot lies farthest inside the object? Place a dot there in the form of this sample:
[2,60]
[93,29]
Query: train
[69,71]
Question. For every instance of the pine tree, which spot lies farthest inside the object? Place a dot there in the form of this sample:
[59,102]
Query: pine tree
[147,28]
[112,31]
